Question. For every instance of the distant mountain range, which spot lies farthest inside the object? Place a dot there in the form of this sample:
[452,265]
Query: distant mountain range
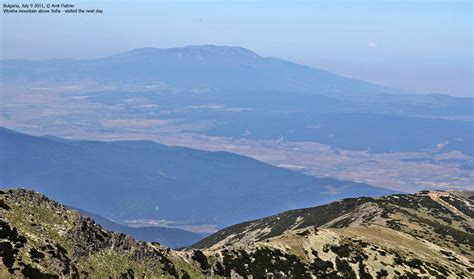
[428,234]
[206,67]
[130,180]
[260,98]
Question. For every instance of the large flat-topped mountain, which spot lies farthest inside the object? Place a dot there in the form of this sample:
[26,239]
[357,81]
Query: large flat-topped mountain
[233,92]
[205,67]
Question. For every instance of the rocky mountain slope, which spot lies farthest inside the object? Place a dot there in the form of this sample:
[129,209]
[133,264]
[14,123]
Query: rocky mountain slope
[425,235]
[40,238]
[170,237]
[428,234]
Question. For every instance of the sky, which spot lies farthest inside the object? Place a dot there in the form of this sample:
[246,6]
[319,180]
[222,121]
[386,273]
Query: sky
[418,45]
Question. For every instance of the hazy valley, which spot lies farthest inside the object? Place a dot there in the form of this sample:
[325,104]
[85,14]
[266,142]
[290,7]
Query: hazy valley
[129,181]
[231,99]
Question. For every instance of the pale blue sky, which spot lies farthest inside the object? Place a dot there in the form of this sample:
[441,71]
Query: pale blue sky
[420,45]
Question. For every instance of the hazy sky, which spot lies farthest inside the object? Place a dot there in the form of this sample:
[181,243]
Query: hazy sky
[420,45]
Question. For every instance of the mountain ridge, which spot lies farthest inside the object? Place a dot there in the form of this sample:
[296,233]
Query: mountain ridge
[40,238]
[423,235]
[193,49]
[248,70]
[143,180]
[170,237]
[396,236]
[345,212]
